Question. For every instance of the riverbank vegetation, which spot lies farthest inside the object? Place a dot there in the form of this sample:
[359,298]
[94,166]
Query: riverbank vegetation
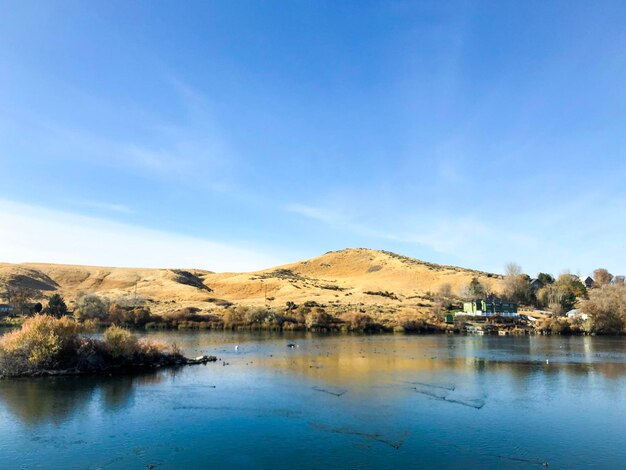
[571,306]
[606,310]
[45,345]
[308,316]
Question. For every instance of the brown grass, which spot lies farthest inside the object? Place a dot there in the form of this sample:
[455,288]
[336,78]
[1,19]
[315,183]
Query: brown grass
[343,277]
[45,343]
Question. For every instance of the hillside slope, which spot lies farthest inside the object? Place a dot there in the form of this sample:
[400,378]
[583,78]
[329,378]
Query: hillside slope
[345,279]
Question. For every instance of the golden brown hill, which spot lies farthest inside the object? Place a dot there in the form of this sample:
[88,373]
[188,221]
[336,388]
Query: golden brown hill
[347,279]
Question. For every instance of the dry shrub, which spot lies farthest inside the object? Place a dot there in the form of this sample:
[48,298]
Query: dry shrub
[153,349]
[606,308]
[121,342]
[91,307]
[132,316]
[47,343]
[175,349]
[290,325]
[183,314]
[555,326]
[413,321]
[90,326]
[234,317]
[43,341]
[254,317]
[358,321]
[318,319]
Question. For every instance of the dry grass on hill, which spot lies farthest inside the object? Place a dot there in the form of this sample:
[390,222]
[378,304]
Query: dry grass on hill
[346,280]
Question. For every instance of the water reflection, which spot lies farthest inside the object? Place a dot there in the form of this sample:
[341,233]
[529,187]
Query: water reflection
[54,399]
[384,363]
[368,401]
[372,359]
[58,399]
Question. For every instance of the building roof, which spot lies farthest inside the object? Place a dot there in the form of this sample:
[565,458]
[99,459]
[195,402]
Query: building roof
[491,298]
[577,314]
[528,317]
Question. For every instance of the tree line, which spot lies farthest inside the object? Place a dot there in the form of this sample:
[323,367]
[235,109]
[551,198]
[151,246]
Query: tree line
[601,309]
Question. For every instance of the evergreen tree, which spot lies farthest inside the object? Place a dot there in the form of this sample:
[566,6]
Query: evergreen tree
[56,306]
[545,278]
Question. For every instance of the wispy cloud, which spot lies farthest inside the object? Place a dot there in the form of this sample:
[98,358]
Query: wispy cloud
[557,236]
[334,218]
[328,216]
[36,234]
[190,147]
[106,206]
[465,238]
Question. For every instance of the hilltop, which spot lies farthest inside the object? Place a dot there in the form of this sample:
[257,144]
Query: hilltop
[344,280]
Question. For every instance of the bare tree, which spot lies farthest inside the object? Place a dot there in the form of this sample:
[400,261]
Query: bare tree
[445,290]
[7,292]
[474,289]
[606,308]
[22,298]
[516,284]
[512,269]
[602,277]
[19,297]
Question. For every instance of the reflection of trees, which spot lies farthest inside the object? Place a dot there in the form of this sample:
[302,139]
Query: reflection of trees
[117,393]
[56,399]
[348,361]
[46,399]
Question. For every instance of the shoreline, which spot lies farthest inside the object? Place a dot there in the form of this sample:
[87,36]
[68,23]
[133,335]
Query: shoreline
[116,369]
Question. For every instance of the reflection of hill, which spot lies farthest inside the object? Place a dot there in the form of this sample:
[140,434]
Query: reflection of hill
[378,364]
[35,401]
[353,361]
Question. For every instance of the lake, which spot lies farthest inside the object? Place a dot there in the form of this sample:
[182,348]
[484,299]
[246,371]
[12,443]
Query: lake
[334,401]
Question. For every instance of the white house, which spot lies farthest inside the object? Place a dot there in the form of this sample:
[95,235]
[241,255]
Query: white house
[576,314]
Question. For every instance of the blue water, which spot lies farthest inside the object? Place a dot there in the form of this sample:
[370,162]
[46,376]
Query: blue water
[334,402]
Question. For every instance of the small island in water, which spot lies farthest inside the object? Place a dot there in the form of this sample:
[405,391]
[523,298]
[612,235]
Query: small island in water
[46,346]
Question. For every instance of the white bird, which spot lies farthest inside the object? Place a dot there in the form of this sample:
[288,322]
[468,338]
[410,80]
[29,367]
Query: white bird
[236,347]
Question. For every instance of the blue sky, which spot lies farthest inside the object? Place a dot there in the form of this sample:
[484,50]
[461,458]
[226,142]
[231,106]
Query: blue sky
[236,135]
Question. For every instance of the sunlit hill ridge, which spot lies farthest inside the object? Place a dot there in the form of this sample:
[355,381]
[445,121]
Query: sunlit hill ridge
[344,280]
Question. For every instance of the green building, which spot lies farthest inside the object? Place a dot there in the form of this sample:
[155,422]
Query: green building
[490,307]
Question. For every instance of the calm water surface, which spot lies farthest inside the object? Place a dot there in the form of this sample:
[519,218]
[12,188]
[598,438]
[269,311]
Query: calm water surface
[334,402]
